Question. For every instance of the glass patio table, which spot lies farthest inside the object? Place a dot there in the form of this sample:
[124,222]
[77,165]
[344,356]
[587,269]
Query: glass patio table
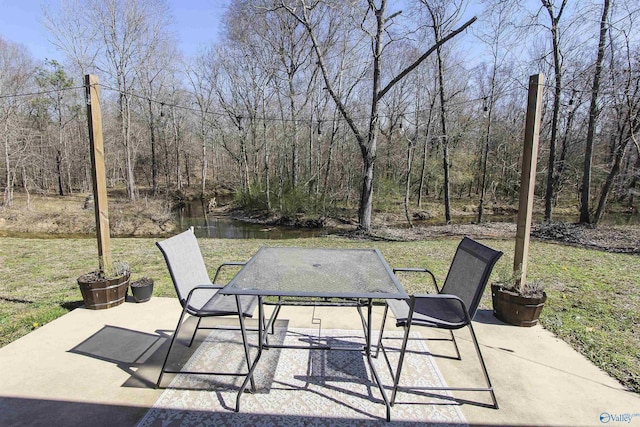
[316,276]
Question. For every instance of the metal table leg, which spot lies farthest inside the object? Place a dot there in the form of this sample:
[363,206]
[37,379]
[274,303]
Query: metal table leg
[367,351]
[261,331]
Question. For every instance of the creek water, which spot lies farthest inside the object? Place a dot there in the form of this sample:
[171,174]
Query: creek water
[219,226]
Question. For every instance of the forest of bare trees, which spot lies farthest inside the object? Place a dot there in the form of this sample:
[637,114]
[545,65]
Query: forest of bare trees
[312,105]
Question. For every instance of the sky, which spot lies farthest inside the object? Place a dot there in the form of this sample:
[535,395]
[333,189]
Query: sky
[196,23]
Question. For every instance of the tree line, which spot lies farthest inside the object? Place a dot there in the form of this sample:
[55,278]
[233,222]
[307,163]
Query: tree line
[310,105]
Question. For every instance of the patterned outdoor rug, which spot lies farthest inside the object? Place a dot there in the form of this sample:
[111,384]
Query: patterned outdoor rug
[300,387]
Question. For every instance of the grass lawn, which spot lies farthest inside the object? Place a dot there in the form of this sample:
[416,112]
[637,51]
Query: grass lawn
[593,296]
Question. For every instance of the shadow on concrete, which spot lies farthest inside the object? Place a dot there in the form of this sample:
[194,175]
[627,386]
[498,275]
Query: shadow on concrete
[137,353]
[18,412]
[141,354]
[486,316]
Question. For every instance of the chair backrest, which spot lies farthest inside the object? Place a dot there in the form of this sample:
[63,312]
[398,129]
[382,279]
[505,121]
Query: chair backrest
[469,272]
[185,263]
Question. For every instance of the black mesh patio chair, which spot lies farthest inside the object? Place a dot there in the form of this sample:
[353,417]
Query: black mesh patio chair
[453,307]
[199,296]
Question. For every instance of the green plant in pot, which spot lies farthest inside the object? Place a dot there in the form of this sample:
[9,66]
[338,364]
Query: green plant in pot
[105,287]
[516,301]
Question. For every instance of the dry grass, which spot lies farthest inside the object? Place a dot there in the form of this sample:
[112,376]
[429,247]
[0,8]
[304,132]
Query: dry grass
[53,215]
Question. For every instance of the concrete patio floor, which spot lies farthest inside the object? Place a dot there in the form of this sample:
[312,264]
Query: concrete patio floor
[99,368]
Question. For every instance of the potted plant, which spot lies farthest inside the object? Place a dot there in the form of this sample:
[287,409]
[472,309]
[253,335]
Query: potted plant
[142,289]
[106,287]
[517,303]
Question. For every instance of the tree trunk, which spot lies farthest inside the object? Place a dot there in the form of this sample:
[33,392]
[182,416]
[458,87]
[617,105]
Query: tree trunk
[267,178]
[551,168]
[125,112]
[154,162]
[176,143]
[368,149]
[366,193]
[485,150]
[59,153]
[424,188]
[294,136]
[8,189]
[423,170]
[327,171]
[25,185]
[203,174]
[557,67]
[634,181]
[407,187]
[585,194]
[445,139]
[59,172]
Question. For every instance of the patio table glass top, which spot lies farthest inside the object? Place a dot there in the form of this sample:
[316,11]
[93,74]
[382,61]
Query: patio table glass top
[315,272]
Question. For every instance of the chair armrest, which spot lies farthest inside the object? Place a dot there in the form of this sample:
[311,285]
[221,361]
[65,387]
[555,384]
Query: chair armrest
[226,264]
[418,270]
[203,287]
[208,287]
[438,296]
[442,296]
[410,269]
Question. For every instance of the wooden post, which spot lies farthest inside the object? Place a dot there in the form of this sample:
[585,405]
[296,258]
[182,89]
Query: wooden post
[528,177]
[98,173]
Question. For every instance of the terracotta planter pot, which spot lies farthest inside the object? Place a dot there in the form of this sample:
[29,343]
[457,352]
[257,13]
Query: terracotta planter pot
[100,293]
[516,309]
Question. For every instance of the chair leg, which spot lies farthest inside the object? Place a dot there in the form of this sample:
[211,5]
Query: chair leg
[384,321]
[173,338]
[275,315]
[266,335]
[455,344]
[271,325]
[396,380]
[195,331]
[381,345]
[484,367]
[246,349]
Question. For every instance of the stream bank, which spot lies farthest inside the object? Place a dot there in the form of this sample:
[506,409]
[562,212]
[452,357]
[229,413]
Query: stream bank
[71,216]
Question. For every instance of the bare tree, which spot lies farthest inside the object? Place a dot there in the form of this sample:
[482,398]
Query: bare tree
[429,88]
[412,141]
[625,127]
[117,37]
[130,31]
[290,49]
[154,77]
[555,15]
[238,94]
[366,138]
[54,80]
[200,77]
[497,35]
[16,71]
[72,32]
[443,15]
